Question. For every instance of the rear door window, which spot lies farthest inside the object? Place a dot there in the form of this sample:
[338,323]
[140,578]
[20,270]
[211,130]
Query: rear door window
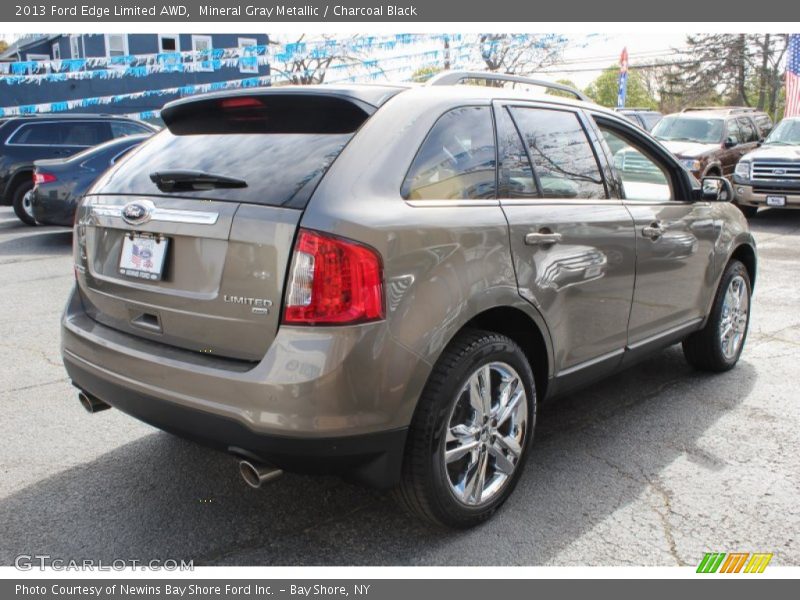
[85,133]
[516,174]
[562,155]
[457,159]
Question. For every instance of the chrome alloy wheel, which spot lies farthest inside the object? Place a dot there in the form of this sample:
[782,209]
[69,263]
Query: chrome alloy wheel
[486,433]
[733,324]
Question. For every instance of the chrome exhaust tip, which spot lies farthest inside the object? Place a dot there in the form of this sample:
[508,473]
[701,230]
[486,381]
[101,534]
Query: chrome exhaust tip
[92,404]
[256,474]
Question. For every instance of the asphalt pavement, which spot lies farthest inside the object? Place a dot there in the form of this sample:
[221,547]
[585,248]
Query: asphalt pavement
[654,466]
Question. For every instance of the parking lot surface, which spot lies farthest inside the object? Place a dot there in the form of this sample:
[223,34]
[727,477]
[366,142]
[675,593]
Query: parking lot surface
[654,466]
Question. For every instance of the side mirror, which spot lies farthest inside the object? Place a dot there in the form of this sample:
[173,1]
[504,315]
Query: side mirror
[730,142]
[716,189]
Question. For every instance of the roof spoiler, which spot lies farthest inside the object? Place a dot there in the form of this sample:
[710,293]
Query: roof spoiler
[456,77]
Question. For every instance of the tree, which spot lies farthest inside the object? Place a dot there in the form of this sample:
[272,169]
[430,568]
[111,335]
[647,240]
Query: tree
[3,45]
[522,54]
[568,83]
[425,73]
[604,89]
[743,69]
[305,63]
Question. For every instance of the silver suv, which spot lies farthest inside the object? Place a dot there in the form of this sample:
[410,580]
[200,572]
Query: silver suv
[386,281]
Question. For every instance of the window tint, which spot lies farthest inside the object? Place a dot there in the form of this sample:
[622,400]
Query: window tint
[281,169]
[85,133]
[748,131]
[650,120]
[516,173]
[37,133]
[457,159]
[643,177]
[733,132]
[123,128]
[561,153]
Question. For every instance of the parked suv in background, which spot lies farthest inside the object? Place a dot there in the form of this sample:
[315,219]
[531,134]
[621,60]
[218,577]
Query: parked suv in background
[646,118]
[387,281]
[770,175]
[24,139]
[710,141]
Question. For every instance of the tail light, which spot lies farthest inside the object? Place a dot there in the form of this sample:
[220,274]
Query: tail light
[39,177]
[333,281]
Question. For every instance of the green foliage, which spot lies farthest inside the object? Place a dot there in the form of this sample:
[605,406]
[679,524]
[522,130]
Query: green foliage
[425,73]
[561,94]
[603,90]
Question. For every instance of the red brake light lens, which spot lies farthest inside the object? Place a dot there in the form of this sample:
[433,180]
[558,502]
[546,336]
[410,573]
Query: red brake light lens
[333,281]
[43,178]
[240,102]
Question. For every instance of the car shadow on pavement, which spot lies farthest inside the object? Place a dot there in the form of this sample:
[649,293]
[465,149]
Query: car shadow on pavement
[160,497]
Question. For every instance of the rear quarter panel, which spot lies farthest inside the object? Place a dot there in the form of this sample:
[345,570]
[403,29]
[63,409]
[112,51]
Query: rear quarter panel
[444,262]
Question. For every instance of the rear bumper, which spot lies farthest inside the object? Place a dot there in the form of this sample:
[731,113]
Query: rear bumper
[52,211]
[747,196]
[374,459]
[299,408]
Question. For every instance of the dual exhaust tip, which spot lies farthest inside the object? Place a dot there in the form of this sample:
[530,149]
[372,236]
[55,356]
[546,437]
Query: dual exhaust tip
[254,473]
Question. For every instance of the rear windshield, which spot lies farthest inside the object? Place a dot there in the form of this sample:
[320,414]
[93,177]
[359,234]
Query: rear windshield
[281,148]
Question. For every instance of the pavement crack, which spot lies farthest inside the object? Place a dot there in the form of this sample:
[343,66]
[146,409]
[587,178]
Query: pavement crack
[666,526]
[34,386]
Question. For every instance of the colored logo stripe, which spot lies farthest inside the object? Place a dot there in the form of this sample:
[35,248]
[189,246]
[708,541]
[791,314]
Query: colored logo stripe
[758,562]
[711,562]
[735,561]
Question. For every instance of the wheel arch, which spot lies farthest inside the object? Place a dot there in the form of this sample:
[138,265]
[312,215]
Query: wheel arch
[526,333]
[18,177]
[746,254]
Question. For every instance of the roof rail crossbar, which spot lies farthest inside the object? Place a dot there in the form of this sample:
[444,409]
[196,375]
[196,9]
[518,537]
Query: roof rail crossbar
[456,77]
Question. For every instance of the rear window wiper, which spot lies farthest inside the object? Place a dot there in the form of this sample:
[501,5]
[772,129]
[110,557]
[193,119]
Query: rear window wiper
[185,180]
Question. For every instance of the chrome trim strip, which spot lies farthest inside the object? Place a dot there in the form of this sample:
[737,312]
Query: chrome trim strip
[450,203]
[167,215]
[688,325]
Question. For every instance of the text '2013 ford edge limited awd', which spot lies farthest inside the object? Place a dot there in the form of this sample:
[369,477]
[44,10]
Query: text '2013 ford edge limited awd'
[385,281]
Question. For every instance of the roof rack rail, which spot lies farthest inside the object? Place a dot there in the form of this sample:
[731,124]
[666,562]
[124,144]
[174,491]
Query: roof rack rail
[730,109]
[641,108]
[456,77]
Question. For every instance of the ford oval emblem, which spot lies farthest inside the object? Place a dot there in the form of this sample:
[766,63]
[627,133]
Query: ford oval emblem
[136,213]
[779,171]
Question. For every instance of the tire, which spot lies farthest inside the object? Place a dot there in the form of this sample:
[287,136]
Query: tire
[748,211]
[710,349]
[21,204]
[446,421]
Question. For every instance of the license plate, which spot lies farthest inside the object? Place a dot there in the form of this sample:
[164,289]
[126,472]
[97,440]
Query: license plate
[143,256]
[776,200]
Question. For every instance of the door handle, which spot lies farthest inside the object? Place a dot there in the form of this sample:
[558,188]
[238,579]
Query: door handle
[542,238]
[653,231]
